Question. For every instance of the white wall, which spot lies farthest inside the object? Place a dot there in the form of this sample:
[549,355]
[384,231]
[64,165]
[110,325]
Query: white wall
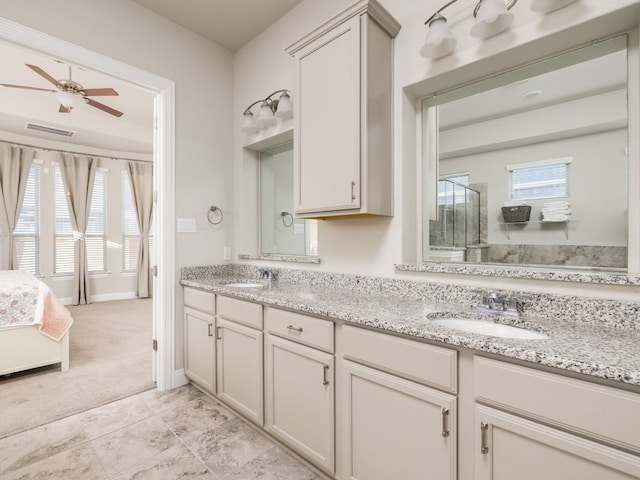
[372,246]
[202,72]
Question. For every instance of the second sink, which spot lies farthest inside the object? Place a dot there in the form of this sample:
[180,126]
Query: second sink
[488,328]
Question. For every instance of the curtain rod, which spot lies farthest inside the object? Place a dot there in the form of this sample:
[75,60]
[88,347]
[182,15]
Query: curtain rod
[76,153]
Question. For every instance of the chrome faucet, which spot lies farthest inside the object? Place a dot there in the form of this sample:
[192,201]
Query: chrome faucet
[266,274]
[502,303]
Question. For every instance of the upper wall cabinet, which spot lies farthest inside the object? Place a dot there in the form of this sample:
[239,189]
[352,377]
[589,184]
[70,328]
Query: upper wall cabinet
[343,115]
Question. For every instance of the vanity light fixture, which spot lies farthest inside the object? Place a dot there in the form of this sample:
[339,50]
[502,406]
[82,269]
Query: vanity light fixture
[491,17]
[271,109]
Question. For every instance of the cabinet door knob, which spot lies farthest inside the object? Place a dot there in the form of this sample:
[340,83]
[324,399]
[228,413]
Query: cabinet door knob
[325,376]
[445,422]
[484,447]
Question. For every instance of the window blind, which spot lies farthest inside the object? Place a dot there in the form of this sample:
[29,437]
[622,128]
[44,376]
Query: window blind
[27,231]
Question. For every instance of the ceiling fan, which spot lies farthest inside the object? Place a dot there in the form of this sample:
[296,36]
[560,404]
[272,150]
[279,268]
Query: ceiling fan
[71,94]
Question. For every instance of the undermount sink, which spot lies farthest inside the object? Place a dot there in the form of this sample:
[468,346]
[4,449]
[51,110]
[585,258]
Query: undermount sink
[488,328]
[244,285]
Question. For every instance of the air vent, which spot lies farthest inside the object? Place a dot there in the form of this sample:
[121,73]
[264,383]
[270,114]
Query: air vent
[48,129]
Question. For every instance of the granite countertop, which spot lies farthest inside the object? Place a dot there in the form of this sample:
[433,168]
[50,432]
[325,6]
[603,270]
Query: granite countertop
[600,351]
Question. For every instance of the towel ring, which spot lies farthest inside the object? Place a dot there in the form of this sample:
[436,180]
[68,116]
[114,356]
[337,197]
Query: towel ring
[284,219]
[211,215]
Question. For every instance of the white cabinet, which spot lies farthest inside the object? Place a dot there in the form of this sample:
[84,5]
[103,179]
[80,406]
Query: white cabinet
[552,427]
[240,356]
[343,115]
[394,427]
[510,447]
[199,344]
[300,386]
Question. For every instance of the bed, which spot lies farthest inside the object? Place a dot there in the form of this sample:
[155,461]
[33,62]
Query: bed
[34,325]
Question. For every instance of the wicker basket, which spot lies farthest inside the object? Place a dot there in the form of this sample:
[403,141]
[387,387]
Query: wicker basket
[518,214]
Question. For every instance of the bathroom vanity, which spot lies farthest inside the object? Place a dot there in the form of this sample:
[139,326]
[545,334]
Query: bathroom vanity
[365,386]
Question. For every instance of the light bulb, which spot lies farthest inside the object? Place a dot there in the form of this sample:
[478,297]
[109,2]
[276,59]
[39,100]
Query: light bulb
[492,18]
[439,41]
[285,109]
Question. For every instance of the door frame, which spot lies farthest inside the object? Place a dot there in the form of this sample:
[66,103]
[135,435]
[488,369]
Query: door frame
[164,168]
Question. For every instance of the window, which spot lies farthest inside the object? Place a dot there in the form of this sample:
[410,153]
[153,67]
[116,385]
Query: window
[27,231]
[95,238]
[539,180]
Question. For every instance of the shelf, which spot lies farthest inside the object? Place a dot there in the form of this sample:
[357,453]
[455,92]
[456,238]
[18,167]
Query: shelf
[565,223]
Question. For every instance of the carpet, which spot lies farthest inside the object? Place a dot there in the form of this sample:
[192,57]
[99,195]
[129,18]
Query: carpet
[110,358]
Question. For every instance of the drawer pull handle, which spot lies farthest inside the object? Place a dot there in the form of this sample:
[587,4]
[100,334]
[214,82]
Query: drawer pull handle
[445,422]
[209,332]
[295,329]
[219,333]
[325,376]
[353,193]
[484,428]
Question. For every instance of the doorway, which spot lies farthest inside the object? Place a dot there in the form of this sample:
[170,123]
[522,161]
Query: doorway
[164,166]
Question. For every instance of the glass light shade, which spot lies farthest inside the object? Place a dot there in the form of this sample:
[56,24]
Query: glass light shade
[248,122]
[266,117]
[493,18]
[439,41]
[285,110]
[546,6]
[70,100]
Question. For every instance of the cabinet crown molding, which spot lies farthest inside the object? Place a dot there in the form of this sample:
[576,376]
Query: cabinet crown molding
[370,7]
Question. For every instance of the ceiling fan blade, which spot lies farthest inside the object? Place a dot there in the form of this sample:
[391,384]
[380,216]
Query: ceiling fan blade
[27,88]
[104,108]
[100,92]
[64,109]
[45,75]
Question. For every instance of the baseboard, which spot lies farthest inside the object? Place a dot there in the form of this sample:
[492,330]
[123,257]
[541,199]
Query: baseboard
[104,297]
[179,378]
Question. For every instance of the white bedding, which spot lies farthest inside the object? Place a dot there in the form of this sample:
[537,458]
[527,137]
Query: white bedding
[22,298]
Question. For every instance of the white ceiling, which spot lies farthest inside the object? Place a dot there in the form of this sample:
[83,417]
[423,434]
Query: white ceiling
[229,23]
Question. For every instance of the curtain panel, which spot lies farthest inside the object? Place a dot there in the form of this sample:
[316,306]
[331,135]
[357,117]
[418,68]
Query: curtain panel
[78,175]
[141,177]
[15,163]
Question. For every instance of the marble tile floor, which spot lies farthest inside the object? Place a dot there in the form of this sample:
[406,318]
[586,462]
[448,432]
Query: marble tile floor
[179,434]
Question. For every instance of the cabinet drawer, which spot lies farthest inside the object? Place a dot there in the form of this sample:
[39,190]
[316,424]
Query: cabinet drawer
[203,301]
[314,332]
[603,413]
[240,311]
[420,362]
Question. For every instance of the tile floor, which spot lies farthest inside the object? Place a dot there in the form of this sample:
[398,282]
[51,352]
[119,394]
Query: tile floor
[181,433]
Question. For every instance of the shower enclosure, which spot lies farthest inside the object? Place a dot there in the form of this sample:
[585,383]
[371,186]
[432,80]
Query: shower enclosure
[458,224]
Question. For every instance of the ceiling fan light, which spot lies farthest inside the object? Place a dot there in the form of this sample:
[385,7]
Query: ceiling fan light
[546,6]
[439,40]
[248,122]
[70,100]
[492,18]
[285,109]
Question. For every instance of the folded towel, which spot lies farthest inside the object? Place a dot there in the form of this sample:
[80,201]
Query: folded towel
[515,203]
[555,218]
[553,210]
[558,203]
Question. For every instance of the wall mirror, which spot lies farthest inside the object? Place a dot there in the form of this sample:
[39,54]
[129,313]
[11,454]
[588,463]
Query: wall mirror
[280,232]
[530,167]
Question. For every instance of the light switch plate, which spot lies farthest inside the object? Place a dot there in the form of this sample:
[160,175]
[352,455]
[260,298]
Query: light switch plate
[298,228]
[186,225]
[226,253]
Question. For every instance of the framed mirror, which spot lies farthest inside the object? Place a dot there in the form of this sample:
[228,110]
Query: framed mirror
[530,167]
[280,232]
